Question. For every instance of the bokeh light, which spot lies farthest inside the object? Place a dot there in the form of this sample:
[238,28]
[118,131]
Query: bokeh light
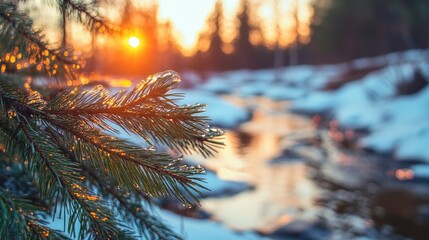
[134,41]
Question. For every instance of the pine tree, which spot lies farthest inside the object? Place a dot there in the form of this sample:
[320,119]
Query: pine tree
[59,156]
[244,51]
[215,55]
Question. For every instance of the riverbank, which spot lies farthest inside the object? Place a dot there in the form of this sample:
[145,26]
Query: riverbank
[374,105]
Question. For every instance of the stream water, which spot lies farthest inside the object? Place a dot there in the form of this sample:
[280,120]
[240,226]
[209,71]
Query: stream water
[309,183]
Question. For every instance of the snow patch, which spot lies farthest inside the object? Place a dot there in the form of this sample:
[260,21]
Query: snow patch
[220,188]
[203,229]
[222,113]
[421,170]
[415,146]
[313,103]
[283,92]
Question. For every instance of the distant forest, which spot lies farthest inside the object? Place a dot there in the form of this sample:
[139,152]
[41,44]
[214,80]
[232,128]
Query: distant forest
[339,31]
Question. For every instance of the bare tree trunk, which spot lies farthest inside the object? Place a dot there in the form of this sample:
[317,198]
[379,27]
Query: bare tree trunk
[293,54]
[278,57]
[278,52]
[293,50]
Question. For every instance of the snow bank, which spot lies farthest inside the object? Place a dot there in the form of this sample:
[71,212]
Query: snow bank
[390,59]
[220,188]
[217,84]
[252,89]
[317,102]
[397,124]
[281,84]
[283,92]
[203,229]
[421,171]
[222,113]
[403,127]
[415,147]
[354,98]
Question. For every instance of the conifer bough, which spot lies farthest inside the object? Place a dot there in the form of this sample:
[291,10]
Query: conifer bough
[59,156]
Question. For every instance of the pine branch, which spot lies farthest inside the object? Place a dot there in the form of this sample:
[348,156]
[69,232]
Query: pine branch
[129,203]
[156,173]
[66,148]
[148,110]
[38,125]
[20,41]
[62,144]
[78,194]
[133,211]
[59,178]
[21,215]
[86,14]
[100,178]
[64,177]
[9,94]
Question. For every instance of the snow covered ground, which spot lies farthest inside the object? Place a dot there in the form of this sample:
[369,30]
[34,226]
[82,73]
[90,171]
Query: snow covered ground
[221,113]
[397,123]
[196,229]
[220,188]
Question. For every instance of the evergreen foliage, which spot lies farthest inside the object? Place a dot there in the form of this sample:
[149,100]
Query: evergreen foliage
[345,30]
[59,157]
[215,54]
[244,50]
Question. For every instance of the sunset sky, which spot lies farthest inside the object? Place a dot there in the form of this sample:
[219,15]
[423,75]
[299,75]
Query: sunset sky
[189,19]
[189,16]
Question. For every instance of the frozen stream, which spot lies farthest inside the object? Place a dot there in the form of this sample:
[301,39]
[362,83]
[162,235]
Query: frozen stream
[305,185]
[282,191]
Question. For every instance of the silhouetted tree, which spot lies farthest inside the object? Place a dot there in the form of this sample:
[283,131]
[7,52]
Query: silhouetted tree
[356,28]
[215,57]
[278,52]
[244,52]
[119,58]
[293,49]
[170,56]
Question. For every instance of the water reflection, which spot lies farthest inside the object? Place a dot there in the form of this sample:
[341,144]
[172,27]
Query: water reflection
[281,194]
[303,173]
[282,191]
[310,181]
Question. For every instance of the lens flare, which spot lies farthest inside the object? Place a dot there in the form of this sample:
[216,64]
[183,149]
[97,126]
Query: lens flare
[133,42]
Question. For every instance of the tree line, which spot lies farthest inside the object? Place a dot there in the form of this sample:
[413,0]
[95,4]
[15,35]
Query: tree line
[162,51]
[339,31]
[344,30]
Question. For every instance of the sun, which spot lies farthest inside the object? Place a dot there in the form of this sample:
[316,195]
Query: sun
[133,41]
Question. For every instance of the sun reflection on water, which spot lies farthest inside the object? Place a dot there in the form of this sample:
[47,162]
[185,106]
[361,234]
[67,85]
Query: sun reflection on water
[281,191]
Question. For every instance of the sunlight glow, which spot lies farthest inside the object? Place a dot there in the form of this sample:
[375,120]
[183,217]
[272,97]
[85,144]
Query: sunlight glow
[123,83]
[189,19]
[186,26]
[133,42]
[404,174]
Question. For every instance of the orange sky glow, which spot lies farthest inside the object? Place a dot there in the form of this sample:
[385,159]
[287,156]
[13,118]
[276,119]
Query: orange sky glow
[189,17]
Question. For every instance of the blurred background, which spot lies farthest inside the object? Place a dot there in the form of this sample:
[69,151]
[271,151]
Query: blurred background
[324,104]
